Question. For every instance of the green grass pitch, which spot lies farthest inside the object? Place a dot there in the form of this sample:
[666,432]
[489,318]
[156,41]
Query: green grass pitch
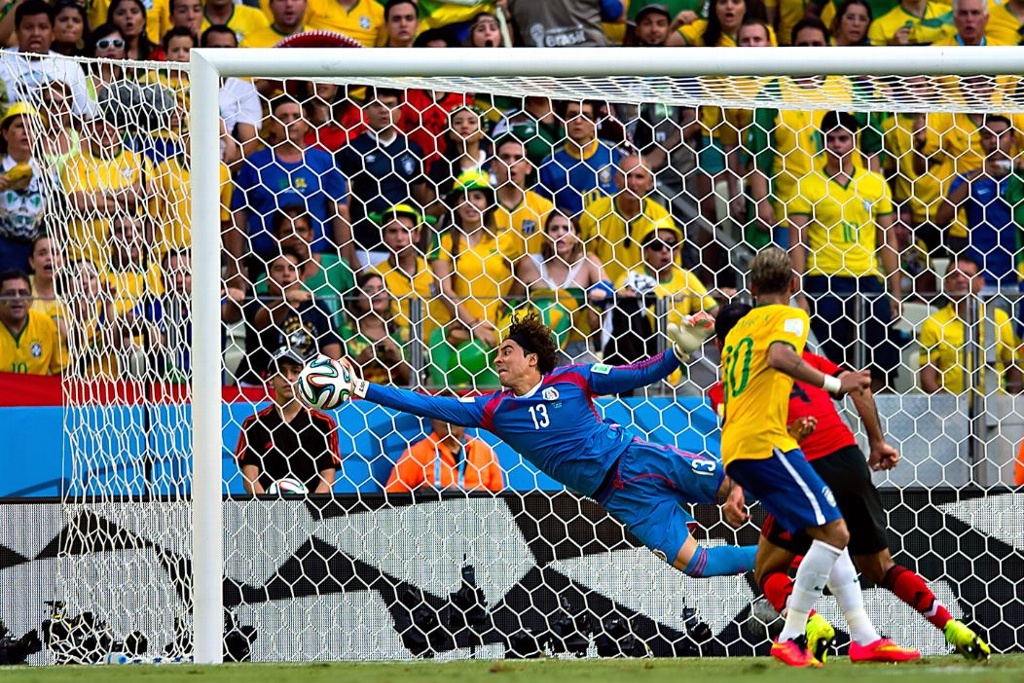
[1002,669]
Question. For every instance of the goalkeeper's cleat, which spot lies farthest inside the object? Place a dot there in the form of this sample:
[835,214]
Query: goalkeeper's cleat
[794,652]
[882,650]
[966,641]
[821,637]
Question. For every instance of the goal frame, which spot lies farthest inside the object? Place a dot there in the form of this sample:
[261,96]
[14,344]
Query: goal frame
[208,66]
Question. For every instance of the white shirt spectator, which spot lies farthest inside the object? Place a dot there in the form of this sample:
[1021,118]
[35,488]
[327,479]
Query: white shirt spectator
[24,74]
[239,103]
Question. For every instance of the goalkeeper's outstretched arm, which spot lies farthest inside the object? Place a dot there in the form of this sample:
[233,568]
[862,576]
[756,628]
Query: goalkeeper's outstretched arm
[615,379]
[466,413]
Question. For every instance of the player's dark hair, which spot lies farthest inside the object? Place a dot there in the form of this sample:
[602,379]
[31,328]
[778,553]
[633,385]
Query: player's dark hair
[179,32]
[204,40]
[31,8]
[727,318]
[391,4]
[812,23]
[15,274]
[535,337]
[771,271]
[839,119]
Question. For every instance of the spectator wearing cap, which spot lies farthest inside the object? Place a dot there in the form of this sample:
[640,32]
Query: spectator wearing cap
[105,180]
[384,168]
[402,20]
[241,19]
[613,226]
[565,23]
[362,20]
[287,315]
[286,19]
[372,335]
[912,22]
[652,25]
[286,440]
[289,172]
[583,169]
[629,331]
[836,217]
[447,459]
[36,64]
[471,263]
[23,189]
[521,211]
[405,271]
[105,47]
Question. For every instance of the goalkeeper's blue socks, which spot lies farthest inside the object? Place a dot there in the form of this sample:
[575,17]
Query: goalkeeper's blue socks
[723,560]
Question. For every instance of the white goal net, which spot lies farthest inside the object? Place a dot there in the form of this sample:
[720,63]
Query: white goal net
[400,222]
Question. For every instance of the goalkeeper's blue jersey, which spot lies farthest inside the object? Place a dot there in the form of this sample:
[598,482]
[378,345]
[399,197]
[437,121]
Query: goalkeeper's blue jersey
[555,426]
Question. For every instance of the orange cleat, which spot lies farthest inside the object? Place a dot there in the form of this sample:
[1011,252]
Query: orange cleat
[882,650]
[794,652]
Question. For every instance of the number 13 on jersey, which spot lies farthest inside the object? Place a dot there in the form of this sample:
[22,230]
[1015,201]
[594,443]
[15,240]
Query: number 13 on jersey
[539,413]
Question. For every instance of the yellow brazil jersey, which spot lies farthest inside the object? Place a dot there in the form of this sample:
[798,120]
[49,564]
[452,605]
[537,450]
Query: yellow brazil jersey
[693,34]
[158,17]
[52,308]
[786,142]
[172,205]
[36,350]
[932,25]
[525,221]
[243,21]
[87,173]
[613,239]
[482,273]
[404,287]
[789,13]
[943,345]
[756,396]
[130,285]
[364,22]
[1002,24]
[265,37]
[921,193]
[842,234]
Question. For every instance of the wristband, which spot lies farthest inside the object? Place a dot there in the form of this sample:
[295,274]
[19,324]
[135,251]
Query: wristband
[831,384]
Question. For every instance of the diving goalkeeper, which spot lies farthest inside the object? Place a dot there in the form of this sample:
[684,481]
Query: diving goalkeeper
[547,414]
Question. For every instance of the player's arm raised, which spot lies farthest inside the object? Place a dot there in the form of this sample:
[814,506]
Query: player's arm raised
[784,358]
[464,412]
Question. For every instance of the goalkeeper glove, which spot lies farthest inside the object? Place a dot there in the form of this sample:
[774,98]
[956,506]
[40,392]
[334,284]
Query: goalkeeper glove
[351,378]
[691,334]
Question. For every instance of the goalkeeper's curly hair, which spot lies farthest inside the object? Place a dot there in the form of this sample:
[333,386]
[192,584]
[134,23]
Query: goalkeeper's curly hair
[534,336]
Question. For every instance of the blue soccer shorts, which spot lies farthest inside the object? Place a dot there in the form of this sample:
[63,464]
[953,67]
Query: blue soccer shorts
[649,487]
[789,488]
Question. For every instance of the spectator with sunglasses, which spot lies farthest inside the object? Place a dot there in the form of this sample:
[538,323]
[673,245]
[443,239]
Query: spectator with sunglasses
[107,43]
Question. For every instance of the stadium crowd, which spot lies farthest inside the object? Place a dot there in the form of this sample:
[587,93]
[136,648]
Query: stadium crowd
[400,228]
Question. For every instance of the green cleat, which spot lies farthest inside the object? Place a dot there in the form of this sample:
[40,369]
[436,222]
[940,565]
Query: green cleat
[820,637]
[966,641]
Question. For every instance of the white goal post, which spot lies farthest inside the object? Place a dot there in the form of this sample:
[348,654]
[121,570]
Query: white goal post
[641,71]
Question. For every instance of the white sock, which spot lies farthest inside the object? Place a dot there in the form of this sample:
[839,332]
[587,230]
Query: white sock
[843,583]
[811,577]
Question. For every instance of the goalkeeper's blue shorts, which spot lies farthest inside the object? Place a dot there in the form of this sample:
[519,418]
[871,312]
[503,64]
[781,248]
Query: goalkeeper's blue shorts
[648,487]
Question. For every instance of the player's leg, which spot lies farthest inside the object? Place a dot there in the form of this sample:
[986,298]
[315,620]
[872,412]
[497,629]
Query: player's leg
[652,480]
[776,550]
[794,494]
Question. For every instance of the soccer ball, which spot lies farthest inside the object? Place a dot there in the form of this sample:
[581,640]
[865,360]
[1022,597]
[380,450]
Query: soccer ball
[287,487]
[323,384]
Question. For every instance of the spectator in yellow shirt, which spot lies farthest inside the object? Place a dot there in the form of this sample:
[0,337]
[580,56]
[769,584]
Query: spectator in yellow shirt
[241,19]
[45,263]
[286,17]
[29,341]
[912,22]
[361,20]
